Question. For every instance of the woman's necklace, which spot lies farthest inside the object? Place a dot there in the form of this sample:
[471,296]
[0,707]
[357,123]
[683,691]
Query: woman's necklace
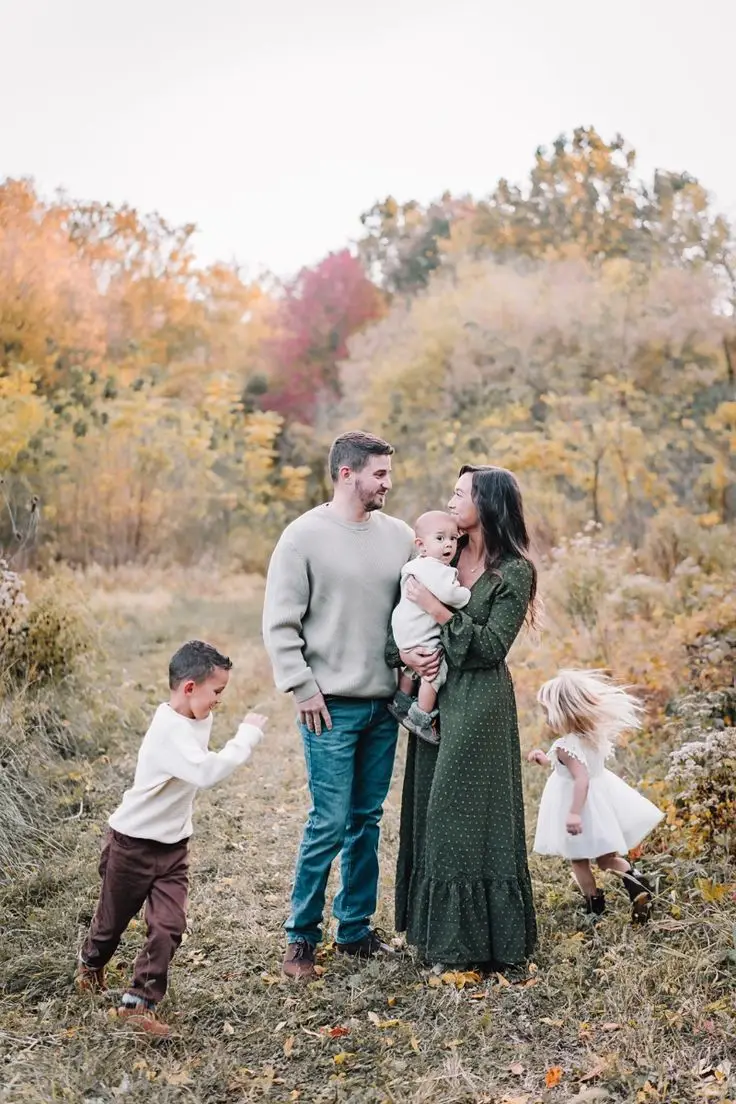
[476,569]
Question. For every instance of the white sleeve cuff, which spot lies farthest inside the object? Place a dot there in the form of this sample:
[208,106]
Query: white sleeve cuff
[247,737]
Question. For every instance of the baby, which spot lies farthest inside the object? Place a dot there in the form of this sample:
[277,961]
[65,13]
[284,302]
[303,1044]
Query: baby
[436,536]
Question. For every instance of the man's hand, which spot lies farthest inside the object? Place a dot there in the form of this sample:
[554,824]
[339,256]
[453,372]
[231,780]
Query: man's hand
[574,824]
[538,756]
[424,661]
[312,712]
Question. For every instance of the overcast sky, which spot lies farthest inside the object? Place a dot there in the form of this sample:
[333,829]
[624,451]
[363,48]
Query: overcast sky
[272,124]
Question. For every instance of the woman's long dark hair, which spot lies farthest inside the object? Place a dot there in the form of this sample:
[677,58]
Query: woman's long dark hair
[497,498]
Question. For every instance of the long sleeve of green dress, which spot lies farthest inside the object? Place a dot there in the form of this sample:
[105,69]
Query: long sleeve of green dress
[470,645]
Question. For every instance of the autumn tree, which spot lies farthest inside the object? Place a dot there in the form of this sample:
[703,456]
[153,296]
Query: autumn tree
[402,243]
[49,299]
[320,310]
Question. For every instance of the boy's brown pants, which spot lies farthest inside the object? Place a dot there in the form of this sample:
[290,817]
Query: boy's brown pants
[135,871]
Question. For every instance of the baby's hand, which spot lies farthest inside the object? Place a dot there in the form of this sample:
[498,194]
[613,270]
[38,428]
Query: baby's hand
[538,756]
[257,720]
[574,824]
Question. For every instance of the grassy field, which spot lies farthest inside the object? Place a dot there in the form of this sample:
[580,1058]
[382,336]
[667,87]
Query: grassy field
[605,1013]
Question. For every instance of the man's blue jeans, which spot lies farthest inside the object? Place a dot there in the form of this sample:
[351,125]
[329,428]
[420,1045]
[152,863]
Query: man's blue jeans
[349,772]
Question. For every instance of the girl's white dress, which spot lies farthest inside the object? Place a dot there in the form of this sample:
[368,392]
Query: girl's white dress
[615,817]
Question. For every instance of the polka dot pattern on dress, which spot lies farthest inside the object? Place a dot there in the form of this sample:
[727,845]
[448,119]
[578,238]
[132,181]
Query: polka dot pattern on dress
[463,891]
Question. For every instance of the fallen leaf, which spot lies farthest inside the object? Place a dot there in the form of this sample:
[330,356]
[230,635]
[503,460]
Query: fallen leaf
[227,1028]
[516,1068]
[712,891]
[553,1076]
[288,1045]
[595,1071]
[342,1057]
[434,982]
[502,981]
[382,1024]
[460,978]
[391,1002]
[611,1027]
[338,1031]
[177,1077]
[551,1023]
[414,1044]
[479,996]
[515,1099]
[453,1043]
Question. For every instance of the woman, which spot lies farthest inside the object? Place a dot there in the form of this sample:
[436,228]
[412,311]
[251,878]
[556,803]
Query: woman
[463,892]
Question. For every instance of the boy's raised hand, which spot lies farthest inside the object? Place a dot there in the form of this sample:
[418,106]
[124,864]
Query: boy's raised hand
[258,720]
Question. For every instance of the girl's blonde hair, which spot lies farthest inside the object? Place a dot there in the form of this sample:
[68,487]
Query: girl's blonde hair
[589,704]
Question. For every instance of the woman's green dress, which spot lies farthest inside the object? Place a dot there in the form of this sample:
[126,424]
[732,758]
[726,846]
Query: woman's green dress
[463,891]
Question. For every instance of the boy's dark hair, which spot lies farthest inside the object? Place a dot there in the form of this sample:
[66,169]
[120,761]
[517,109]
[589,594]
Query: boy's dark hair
[351,450]
[196,660]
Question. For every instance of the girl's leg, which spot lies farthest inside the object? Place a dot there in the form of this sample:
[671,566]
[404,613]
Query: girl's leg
[595,900]
[636,885]
[583,875]
[613,862]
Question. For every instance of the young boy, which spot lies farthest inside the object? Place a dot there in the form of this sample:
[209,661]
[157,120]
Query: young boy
[436,536]
[145,855]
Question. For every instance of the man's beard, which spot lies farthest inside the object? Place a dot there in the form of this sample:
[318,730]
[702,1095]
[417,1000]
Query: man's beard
[370,501]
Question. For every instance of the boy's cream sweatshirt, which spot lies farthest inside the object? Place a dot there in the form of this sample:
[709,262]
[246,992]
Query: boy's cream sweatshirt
[173,763]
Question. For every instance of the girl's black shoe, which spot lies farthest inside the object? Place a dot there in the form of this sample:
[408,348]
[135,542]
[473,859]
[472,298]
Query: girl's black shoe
[640,894]
[596,905]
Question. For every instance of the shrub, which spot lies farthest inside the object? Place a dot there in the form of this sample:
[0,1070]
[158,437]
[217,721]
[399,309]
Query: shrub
[702,771]
[13,602]
[42,639]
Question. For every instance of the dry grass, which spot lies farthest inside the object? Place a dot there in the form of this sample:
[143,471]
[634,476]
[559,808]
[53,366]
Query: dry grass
[612,1012]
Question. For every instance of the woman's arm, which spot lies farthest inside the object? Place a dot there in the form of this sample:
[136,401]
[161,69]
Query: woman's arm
[473,646]
[425,661]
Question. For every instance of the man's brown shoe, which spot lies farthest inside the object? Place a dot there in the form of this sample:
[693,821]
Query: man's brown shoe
[88,980]
[143,1019]
[299,960]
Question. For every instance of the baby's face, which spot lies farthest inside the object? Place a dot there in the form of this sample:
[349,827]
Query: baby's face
[439,541]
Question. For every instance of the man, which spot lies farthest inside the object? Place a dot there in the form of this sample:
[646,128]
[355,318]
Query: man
[332,584]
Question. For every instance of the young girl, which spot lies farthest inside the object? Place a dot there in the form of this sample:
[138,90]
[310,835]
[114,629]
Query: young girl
[587,813]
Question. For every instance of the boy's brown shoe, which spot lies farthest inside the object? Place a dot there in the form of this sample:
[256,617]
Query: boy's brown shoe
[88,980]
[299,960]
[144,1020]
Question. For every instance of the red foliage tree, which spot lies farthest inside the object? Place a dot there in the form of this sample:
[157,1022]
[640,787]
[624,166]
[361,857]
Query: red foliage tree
[322,307]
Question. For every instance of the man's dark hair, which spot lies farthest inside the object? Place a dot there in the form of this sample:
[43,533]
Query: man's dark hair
[351,450]
[196,660]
